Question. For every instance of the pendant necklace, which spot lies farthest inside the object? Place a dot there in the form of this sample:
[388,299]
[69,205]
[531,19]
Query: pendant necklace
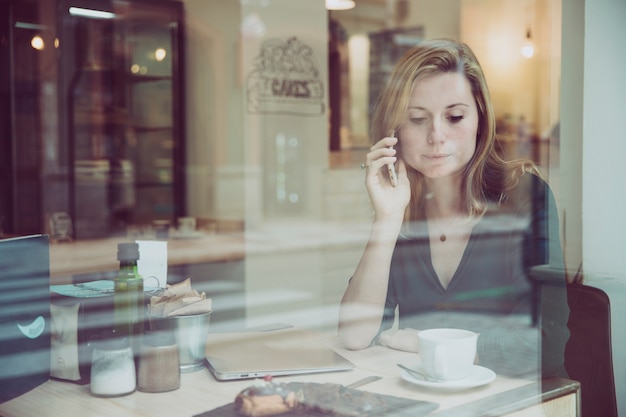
[442,234]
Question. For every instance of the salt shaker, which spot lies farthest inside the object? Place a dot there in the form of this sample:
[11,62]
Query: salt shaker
[112,368]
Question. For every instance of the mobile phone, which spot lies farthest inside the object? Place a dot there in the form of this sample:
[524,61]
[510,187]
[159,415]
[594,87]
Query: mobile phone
[393,176]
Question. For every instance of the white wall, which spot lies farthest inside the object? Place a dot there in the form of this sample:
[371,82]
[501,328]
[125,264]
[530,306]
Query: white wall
[286,139]
[284,45]
[592,160]
[604,170]
[604,138]
[215,150]
[440,19]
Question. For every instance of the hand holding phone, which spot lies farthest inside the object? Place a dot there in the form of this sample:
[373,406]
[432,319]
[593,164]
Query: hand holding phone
[393,176]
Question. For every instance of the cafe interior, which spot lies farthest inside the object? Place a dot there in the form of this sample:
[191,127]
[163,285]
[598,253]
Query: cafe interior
[226,138]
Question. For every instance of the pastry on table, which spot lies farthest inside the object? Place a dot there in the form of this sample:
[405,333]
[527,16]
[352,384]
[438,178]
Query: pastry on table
[265,398]
[269,398]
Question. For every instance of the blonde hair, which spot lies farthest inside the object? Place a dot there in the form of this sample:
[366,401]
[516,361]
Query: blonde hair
[487,176]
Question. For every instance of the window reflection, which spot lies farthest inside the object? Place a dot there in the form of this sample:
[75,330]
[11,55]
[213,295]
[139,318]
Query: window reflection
[147,134]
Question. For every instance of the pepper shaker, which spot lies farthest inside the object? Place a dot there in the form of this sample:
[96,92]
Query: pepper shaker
[159,369]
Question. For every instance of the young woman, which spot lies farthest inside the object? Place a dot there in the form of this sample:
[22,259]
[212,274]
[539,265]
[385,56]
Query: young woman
[453,243]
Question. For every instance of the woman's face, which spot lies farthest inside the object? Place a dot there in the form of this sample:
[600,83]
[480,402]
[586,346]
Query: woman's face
[438,136]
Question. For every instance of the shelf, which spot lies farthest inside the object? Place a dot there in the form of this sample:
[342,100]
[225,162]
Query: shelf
[126,102]
[101,117]
[143,185]
[151,103]
[133,78]
[148,129]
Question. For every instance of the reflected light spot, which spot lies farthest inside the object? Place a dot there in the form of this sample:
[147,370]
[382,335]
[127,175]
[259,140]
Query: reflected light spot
[253,26]
[37,42]
[528,51]
[160,54]
[134,68]
[340,4]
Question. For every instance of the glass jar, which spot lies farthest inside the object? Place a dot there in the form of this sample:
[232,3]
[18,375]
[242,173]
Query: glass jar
[159,369]
[112,368]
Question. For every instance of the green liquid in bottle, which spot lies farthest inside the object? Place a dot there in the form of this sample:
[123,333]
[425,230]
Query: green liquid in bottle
[128,298]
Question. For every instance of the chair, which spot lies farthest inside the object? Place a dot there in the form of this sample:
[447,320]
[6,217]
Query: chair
[588,354]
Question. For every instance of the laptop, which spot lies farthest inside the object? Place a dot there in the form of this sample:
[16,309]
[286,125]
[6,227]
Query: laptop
[276,353]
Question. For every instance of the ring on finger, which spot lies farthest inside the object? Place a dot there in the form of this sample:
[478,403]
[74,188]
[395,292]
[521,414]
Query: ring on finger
[364,166]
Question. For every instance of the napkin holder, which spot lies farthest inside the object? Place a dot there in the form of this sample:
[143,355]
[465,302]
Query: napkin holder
[80,313]
[75,322]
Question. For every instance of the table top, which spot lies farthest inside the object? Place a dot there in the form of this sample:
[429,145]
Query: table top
[201,392]
[98,255]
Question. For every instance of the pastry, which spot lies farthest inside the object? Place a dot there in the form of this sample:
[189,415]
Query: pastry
[268,398]
[265,398]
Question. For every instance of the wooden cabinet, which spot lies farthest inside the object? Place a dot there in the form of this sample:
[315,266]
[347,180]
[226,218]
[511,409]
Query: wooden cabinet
[125,125]
[96,114]
[155,109]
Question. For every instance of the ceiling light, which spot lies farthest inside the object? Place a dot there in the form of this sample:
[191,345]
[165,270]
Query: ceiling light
[90,13]
[340,4]
[528,49]
[34,26]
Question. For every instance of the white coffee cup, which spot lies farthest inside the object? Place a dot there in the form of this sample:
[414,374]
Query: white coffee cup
[186,225]
[447,354]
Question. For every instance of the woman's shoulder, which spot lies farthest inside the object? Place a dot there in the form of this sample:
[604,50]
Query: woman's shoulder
[530,189]
[535,183]
[530,179]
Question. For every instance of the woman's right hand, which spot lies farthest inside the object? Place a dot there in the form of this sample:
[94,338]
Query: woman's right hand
[387,200]
[362,305]
[401,339]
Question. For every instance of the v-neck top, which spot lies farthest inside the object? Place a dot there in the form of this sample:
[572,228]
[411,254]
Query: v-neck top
[491,284]
[489,278]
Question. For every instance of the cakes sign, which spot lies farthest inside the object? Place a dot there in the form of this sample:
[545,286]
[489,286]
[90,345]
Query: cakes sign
[285,80]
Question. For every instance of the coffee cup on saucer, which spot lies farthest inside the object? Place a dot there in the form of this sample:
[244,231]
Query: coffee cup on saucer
[447,354]
[186,225]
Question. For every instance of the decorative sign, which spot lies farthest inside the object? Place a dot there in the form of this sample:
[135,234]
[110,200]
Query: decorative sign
[285,80]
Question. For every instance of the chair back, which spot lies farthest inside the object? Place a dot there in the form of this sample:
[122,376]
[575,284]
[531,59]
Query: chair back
[588,353]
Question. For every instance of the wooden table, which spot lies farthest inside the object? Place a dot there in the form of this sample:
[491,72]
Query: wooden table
[200,392]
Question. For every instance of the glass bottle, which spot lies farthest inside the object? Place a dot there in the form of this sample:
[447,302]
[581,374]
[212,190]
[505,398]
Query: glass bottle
[128,298]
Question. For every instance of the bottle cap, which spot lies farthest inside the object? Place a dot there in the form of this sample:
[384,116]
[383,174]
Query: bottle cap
[127,251]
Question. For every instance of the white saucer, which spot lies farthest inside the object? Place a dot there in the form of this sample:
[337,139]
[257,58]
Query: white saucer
[478,376]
